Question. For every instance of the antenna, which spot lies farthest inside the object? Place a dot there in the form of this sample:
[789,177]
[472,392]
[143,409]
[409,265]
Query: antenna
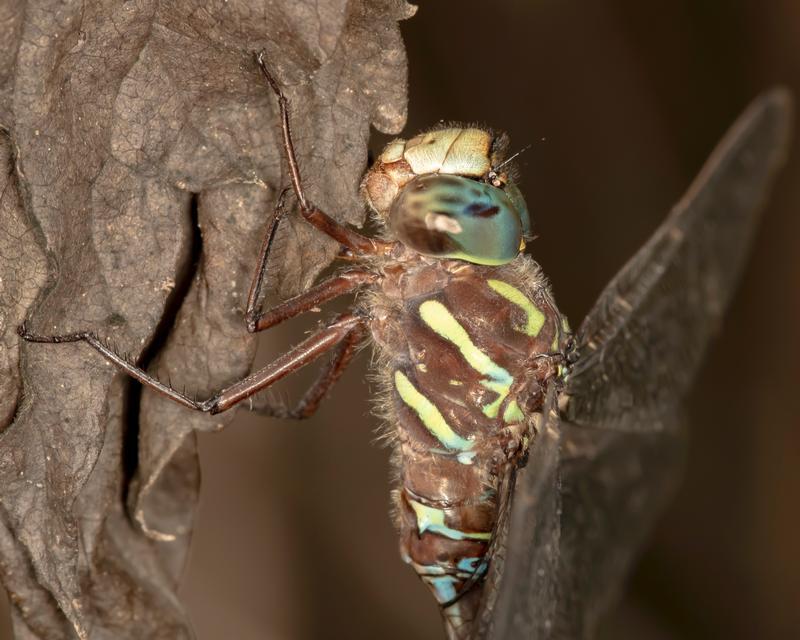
[505,162]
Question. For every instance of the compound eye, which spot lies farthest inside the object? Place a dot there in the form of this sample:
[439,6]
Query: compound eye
[515,196]
[450,216]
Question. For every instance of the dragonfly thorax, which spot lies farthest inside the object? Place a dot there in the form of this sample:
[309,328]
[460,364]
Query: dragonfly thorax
[440,193]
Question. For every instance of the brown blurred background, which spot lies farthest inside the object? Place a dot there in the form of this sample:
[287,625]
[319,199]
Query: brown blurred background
[622,102]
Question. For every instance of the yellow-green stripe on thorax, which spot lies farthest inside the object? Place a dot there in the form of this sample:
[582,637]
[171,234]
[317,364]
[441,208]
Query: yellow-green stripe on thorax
[535,316]
[430,416]
[438,317]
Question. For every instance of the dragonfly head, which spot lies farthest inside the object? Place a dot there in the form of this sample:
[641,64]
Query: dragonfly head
[445,193]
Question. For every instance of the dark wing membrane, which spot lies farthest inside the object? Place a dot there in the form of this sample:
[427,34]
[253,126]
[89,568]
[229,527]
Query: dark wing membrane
[523,603]
[614,485]
[583,504]
[642,342]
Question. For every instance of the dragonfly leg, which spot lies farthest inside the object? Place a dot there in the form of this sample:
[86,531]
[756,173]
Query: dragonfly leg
[251,313]
[351,239]
[340,284]
[310,402]
[307,351]
[333,287]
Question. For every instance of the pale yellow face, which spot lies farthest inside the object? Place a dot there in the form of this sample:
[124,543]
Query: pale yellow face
[455,151]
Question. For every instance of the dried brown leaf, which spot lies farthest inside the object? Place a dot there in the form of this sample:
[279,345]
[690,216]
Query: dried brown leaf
[130,127]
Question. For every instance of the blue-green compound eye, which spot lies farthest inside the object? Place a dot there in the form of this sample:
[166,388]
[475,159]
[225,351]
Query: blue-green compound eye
[515,195]
[453,217]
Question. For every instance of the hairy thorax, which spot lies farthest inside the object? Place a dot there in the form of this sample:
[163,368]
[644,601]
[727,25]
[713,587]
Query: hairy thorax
[467,352]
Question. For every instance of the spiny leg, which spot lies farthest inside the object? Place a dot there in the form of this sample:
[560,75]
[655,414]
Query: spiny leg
[338,285]
[251,312]
[348,237]
[111,355]
[333,287]
[309,403]
[256,321]
[307,351]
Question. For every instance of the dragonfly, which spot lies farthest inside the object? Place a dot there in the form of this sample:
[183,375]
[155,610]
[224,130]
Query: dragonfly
[520,445]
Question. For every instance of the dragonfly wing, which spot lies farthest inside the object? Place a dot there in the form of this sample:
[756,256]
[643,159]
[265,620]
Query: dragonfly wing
[523,603]
[582,506]
[614,485]
[641,344]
